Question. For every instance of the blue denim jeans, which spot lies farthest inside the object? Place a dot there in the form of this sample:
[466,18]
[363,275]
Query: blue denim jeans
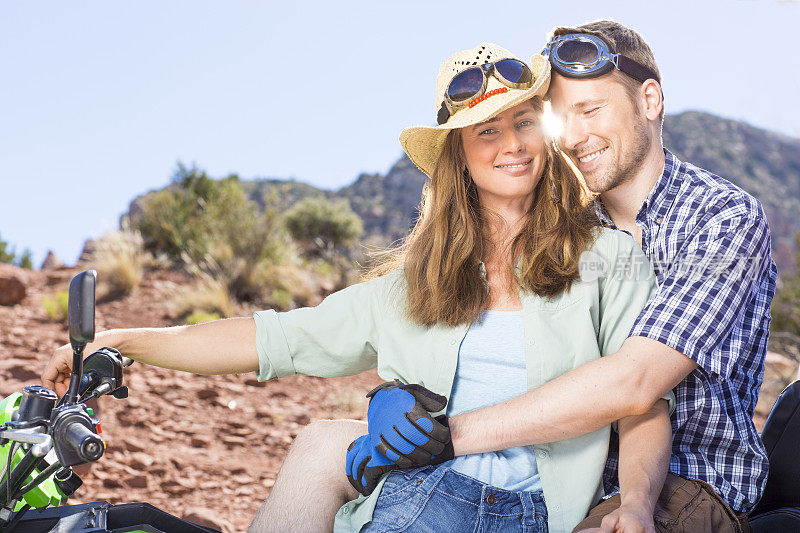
[436,499]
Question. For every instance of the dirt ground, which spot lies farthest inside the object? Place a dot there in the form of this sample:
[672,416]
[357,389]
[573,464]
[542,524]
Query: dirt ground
[198,446]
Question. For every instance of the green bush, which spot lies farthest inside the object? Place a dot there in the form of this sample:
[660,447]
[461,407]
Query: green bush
[25,260]
[56,305]
[8,255]
[213,228]
[785,310]
[281,298]
[201,317]
[188,216]
[322,225]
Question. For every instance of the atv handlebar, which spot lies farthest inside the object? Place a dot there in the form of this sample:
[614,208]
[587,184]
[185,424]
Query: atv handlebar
[87,444]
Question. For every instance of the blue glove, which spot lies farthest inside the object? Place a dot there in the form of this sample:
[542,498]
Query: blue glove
[365,466]
[402,428]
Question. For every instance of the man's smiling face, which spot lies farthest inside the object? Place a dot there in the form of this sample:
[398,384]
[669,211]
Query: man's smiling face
[604,131]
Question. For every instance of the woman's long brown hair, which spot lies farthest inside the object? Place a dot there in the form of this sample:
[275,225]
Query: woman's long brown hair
[440,256]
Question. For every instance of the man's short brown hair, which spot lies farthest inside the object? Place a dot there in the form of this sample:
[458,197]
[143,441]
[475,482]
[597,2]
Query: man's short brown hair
[624,41]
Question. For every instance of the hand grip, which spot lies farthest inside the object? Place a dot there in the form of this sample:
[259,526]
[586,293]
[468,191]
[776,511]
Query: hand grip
[87,444]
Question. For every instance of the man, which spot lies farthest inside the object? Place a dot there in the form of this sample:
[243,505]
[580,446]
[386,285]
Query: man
[703,334]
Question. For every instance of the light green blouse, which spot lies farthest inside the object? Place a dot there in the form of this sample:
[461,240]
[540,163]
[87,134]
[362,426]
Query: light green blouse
[363,326]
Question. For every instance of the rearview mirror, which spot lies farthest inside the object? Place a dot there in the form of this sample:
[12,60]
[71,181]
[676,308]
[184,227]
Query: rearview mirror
[81,309]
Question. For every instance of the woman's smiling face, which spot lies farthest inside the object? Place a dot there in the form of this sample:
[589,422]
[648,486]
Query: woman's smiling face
[505,155]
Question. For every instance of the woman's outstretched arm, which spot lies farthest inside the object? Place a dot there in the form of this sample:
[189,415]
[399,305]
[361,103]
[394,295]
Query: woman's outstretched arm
[220,347]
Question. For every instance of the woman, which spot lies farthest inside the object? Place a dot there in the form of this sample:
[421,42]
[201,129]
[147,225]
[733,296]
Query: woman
[494,257]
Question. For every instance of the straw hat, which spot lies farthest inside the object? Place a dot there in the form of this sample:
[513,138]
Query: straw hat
[424,144]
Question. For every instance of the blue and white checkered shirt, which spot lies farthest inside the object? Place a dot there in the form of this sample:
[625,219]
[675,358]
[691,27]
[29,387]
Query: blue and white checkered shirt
[709,244]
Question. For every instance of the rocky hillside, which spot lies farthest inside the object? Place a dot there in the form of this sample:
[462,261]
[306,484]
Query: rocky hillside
[387,204]
[765,164]
[206,448]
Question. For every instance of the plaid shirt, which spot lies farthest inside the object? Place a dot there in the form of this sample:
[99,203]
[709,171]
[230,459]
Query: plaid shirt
[709,244]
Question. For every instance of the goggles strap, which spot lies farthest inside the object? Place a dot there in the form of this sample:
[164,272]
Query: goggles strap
[443,115]
[634,69]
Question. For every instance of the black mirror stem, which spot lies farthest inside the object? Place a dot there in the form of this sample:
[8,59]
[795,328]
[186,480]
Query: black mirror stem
[71,397]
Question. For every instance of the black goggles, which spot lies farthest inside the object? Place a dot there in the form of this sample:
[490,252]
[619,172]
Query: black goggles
[470,84]
[580,55]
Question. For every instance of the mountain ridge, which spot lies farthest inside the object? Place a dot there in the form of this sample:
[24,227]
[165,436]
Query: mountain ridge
[764,163]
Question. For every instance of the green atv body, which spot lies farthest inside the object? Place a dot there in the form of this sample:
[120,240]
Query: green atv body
[45,493]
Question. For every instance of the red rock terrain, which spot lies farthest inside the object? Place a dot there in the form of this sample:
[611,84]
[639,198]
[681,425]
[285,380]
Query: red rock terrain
[206,448]
[195,446]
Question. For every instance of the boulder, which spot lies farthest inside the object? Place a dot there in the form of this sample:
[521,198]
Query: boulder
[89,248]
[51,262]
[206,517]
[208,394]
[138,481]
[13,284]
[23,372]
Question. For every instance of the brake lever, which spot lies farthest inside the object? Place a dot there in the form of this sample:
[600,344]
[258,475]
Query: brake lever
[120,393]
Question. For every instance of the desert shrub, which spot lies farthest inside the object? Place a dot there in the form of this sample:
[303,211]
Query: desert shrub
[290,285]
[56,305]
[181,218]
[208,296]
[211,227]
[6,255]
[200,317]
[256,243]
[9,255]
[785,310]
[322,225]
[195,213]
[26,259]
[120,260]
[325,269]
[786,307]
[349,401]
[281,298]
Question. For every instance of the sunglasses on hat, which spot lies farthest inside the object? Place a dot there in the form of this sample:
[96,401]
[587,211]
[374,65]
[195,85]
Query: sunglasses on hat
[581,55]
[470,84]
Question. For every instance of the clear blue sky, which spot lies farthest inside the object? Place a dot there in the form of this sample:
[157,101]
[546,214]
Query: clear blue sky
[99,100]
